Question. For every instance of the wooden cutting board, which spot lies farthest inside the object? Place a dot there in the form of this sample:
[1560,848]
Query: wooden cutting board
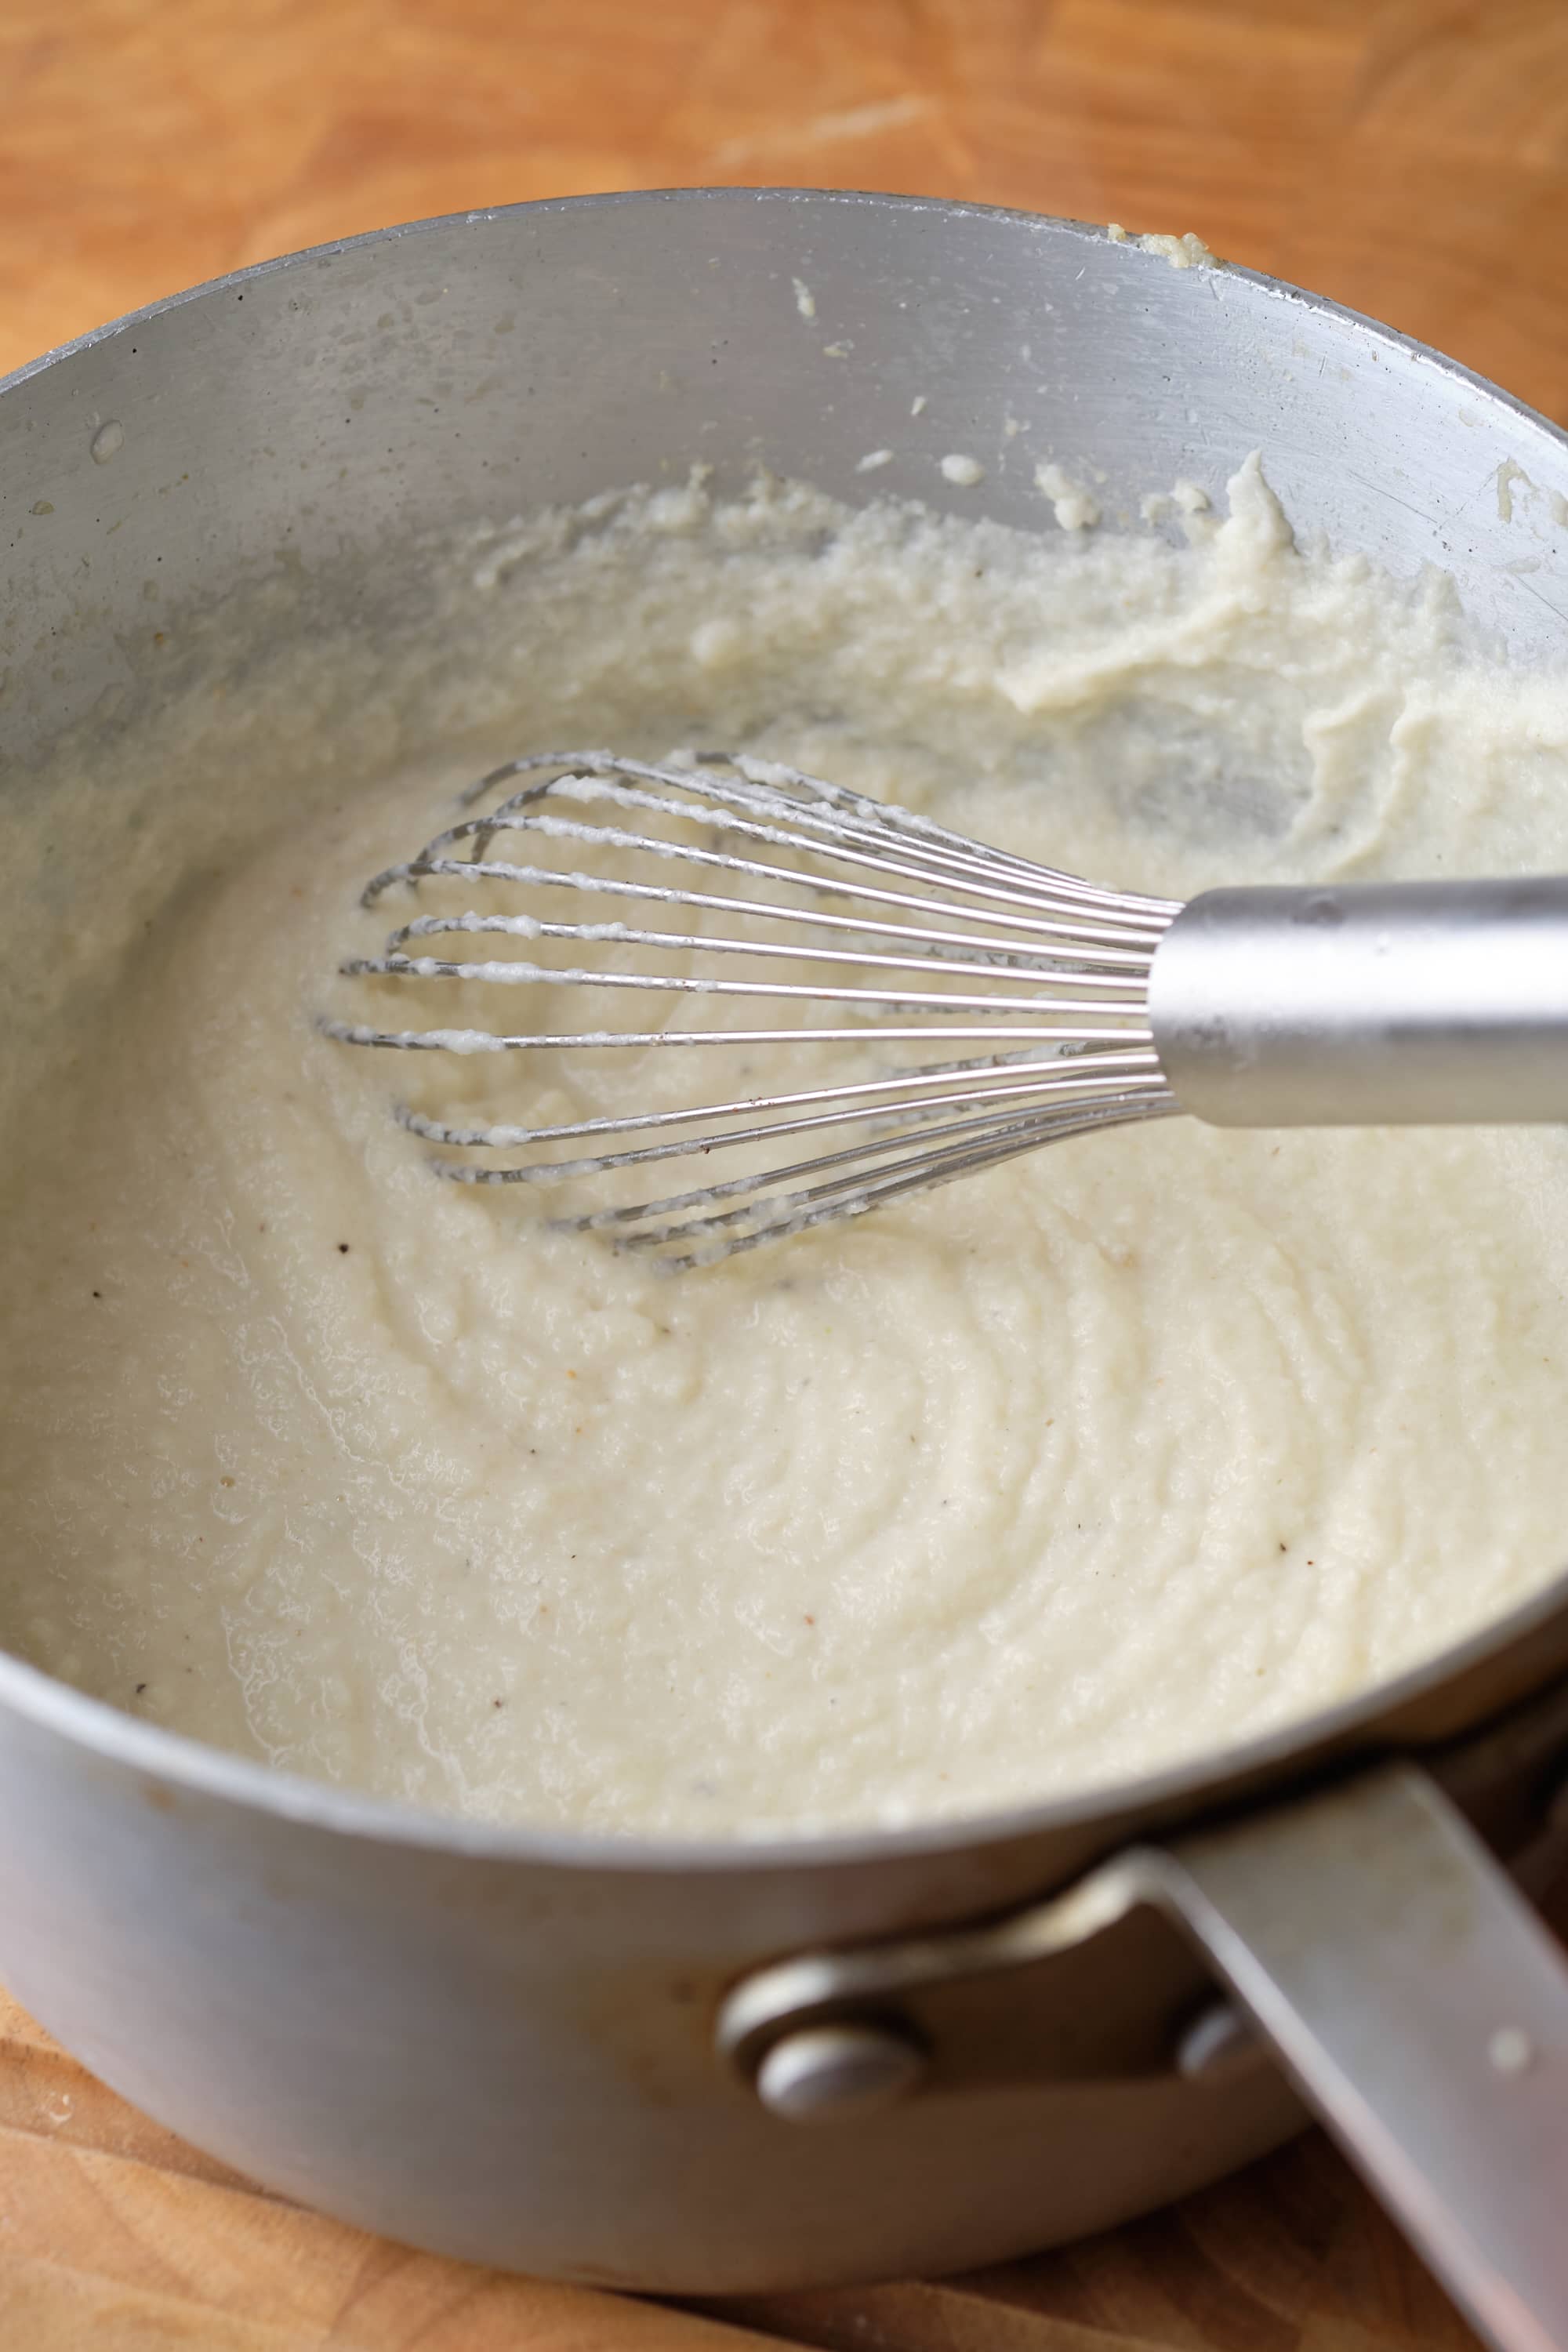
[1409,156]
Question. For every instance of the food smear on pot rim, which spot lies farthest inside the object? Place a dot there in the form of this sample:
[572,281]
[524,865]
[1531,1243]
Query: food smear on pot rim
[1119,1454]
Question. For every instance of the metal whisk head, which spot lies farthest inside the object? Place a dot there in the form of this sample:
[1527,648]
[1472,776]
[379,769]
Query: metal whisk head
[940,1006]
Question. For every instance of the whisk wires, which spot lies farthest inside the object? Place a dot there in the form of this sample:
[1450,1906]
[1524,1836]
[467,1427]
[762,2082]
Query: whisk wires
[964,1004]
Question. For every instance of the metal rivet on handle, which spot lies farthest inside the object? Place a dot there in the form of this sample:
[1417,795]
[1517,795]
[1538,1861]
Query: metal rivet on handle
[1511,2051]
[1218,2038]
[821,2074]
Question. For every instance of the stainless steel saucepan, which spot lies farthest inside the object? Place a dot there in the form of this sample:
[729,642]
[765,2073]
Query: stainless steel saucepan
[715,2068]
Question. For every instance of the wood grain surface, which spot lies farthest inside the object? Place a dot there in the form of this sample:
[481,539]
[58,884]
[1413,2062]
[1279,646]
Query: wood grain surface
[1409,157]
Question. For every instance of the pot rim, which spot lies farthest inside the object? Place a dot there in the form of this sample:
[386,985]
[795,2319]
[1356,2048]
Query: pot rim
[208,1772]
[174,1757]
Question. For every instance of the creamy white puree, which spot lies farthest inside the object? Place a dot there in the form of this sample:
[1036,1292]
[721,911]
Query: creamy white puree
[1130,1449]
[1075,508]
[1186,252]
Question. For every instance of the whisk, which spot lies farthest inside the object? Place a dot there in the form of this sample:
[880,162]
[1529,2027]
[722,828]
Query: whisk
[969,1004]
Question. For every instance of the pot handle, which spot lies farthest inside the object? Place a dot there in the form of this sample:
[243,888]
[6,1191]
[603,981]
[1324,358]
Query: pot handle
[1421,2008]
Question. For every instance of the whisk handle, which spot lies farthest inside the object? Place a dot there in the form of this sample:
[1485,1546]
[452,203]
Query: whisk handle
[1405,1004]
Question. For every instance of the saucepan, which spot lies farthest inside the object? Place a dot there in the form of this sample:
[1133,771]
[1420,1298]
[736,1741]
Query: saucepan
[706,2069]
